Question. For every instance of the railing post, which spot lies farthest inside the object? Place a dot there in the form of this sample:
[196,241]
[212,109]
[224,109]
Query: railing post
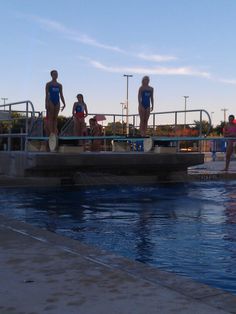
[114,125]
[154,123]
[26,120]
[9,130]
[133,125]
[21,140]
[200,130]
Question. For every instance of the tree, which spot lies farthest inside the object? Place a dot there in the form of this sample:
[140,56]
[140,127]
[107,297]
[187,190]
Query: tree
[204,126]
[219,128]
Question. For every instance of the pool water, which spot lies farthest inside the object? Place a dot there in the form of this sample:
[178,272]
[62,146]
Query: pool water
[186,228]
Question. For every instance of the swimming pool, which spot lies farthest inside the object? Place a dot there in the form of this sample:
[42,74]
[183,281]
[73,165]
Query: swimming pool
[186,228]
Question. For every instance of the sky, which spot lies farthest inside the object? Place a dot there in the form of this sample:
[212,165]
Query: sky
[186,47]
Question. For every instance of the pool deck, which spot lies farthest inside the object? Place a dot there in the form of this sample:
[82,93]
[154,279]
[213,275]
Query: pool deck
[42,272]
[212,171]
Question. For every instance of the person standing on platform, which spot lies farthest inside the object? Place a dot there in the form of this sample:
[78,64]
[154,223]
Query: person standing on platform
[52,102]
[146,103]
[229,131]
[79,112]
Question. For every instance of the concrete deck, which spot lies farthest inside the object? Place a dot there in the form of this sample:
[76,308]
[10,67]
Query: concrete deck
[213,171]
[42,272]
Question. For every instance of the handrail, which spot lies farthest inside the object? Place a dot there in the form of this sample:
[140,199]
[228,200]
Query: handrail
[19,103]
[27,104]
[114,118]
[154,114]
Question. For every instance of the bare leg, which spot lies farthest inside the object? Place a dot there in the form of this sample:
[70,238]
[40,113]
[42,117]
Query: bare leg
[55,115]
[75,127]
[79,129]
[142,120]
[52,117]
[146,117]
[229,152]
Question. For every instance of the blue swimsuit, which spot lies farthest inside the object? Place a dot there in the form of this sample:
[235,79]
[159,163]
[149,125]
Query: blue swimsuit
[79,107]
[145,98]
[54,94]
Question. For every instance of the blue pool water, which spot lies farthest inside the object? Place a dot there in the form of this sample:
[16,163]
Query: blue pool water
[187,228]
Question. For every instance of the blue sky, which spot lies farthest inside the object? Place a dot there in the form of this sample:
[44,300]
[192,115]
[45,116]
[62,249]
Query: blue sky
[187,48]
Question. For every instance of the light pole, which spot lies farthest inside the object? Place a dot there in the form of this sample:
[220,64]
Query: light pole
[185,107]
[127,102]
[123,107]
[122,119]
[212,117]
[224,110]
[4,101]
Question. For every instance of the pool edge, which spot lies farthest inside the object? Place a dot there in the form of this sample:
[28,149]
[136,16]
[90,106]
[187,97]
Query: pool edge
[213,297]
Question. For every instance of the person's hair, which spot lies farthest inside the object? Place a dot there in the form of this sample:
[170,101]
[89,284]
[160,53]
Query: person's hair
[92,120]
[231,116]
[80,95]
[145,78]
[53,71]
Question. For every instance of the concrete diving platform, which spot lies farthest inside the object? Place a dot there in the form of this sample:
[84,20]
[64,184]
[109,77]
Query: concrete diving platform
[92,168]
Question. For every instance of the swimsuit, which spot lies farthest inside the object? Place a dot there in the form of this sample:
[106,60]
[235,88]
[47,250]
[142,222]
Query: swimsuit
[79,109]
[54,91]
[145,98]
[231,129]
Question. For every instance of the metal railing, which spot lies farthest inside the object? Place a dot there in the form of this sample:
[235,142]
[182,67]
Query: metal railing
[13,112]
[32,122]
[116,122]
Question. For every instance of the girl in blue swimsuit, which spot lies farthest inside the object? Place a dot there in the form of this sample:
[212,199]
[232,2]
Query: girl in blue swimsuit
[146,103]
[79,113]
[53,95]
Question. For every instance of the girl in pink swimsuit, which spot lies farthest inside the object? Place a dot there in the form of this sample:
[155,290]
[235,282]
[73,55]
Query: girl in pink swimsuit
[229,131]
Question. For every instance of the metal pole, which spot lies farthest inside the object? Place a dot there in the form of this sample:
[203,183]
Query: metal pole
[154,124]
[224,110]
[127,102]
[4,101]
[185,107]
[212,117]
[122,117]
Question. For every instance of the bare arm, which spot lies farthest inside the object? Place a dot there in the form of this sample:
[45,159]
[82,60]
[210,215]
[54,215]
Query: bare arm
[46,95]
[139,96]
[62,97]
[73,109]
[86,110]
[152,100]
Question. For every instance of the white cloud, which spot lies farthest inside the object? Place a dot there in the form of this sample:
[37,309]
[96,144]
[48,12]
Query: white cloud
[227,81]
[156,58]
[93,42]
[184,71]
[76,36]
[71,34]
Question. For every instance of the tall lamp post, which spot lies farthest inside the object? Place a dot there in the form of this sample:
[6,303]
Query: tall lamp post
[122,117]
[4,101]
[127,102]
[212,117]
[185,107]
[224,110]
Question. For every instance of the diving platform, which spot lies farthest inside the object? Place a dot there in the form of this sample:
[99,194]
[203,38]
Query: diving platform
[97,168]
[115,157]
